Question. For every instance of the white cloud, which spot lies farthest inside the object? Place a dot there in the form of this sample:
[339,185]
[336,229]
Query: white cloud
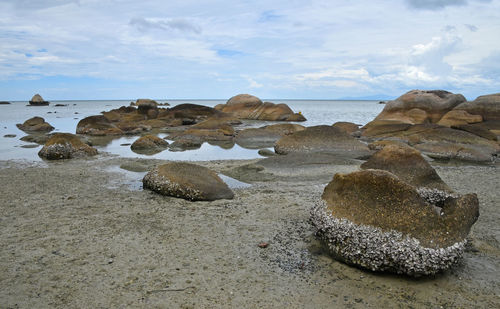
[284,48]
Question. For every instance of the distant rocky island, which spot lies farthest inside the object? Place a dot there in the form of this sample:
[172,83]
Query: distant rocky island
[37,100]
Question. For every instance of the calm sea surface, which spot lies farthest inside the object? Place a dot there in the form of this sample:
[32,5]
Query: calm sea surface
[65,119]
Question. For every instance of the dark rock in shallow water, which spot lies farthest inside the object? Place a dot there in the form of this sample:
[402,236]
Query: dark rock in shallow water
[4,103]
[188,181]
[38,100]
[35,124]
[65,146]
[149,144]
[9,135]
[374,220]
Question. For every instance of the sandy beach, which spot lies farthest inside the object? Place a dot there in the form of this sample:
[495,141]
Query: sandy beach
[83,234]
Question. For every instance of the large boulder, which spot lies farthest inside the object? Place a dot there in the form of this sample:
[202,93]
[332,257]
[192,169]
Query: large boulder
[149,144]
[487,106]
[349,127]
[414,107]
[245,106]
[322,139]
[420,106]
[408,164]
[65,146]
[188,181]
[256,138]
[35,124]
[38,100]
[374,220]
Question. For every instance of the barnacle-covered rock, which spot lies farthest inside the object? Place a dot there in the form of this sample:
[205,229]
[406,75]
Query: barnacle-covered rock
[188,181]
[65,146]
[374,220]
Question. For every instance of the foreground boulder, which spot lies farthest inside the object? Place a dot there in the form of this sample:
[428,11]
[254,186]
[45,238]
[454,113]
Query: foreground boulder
[65,146]
[322,139]
[245,106]
[35,124]
[408,164]
[374,220]
[149,144]
[188,181]
[38,100]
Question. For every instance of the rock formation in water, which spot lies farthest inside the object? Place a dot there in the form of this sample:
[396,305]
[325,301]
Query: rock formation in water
[245,106]
[149,144]
[441,124]
[38,100]
[34,125]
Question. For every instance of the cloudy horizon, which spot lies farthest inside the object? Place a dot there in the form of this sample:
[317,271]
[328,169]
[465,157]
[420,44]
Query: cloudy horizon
[123,49]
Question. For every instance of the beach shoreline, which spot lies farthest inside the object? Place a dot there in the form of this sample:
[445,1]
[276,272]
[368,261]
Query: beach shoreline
[82,233]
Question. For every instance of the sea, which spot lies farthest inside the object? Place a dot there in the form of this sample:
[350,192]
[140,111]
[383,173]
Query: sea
[66,116]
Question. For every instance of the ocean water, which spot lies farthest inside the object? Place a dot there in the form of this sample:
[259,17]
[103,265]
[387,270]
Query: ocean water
[65,119]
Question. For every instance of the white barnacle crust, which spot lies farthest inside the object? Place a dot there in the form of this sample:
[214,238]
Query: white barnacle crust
[371,248]
[163,185]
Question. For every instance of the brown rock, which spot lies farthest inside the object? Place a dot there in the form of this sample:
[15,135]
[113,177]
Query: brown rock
[38,100]
[188,181]
[35,124]
[458,117]
[149,144]
[97,125]
[374,220]
[349,127]
[65,146]
[246,106]
[408,164]
[488,106]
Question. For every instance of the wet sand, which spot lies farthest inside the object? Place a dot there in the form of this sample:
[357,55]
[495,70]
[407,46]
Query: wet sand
[83,234]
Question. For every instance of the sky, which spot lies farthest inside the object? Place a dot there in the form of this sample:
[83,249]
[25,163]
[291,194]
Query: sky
[288,49]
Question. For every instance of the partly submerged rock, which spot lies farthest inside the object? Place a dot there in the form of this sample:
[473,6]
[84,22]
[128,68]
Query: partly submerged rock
[97,125]
[408,164]
[35,124]
[65,146]
[245,106]
[188,181]
[149,144]
[322,139]
[38,100]
[374,220]
[4,103]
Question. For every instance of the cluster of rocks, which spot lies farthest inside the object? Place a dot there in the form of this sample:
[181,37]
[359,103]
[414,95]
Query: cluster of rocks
[246,106]
[395,215]
[441,124]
